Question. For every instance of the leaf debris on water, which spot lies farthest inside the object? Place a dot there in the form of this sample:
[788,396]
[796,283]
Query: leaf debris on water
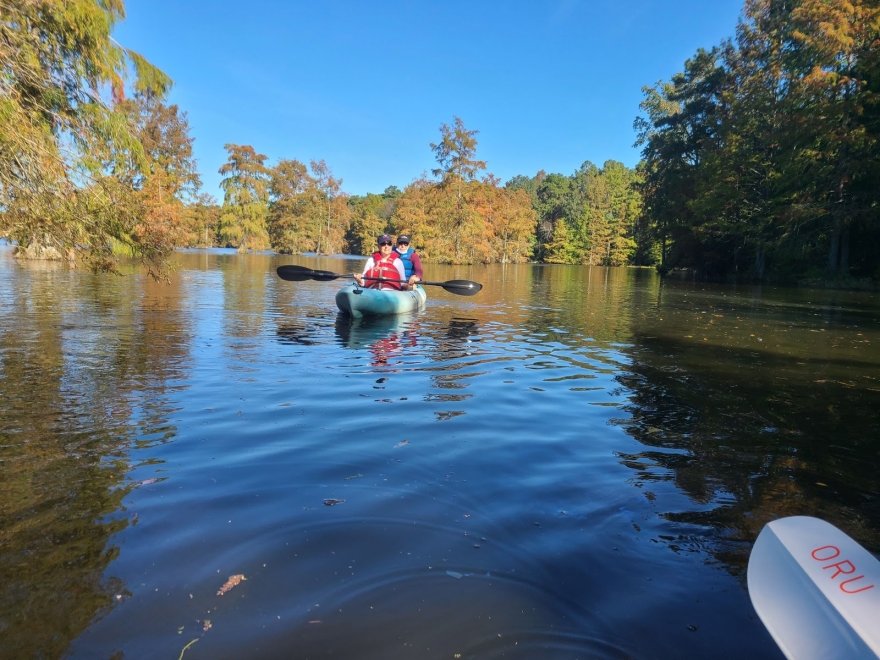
[183,650]
[231,583]
[331,501]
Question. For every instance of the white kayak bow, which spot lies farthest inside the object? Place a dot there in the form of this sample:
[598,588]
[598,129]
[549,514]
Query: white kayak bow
[816,590]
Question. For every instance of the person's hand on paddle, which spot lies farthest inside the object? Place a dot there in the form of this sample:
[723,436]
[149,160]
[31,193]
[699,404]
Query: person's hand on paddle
[412,281]
[359,278]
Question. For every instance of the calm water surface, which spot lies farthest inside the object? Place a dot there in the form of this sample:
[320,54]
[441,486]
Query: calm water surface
[572,464]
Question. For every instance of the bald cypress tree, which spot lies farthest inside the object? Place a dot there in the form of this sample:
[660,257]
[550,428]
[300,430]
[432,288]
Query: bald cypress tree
[246,198]
[61,130]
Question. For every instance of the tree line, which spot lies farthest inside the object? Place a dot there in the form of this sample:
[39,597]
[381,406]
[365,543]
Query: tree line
[761,158]
[462,216]
[759,161]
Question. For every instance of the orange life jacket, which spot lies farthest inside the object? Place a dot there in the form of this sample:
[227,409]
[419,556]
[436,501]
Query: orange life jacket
[386,269]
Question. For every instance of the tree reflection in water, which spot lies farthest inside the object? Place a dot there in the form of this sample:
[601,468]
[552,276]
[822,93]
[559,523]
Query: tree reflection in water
[752,433]
[83,378]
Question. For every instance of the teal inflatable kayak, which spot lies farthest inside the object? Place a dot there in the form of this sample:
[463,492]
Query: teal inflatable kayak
[358,301]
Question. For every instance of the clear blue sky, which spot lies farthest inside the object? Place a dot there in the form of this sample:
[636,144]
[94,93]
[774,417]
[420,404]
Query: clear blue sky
[366,84]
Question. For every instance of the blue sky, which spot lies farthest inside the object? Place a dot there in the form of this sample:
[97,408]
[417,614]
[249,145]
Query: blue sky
[365,85]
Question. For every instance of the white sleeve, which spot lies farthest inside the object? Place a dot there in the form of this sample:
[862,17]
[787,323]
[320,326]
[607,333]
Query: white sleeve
[400,269]
[370,264]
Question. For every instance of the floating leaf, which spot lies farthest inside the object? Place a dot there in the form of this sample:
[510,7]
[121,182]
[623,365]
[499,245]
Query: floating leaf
[231,583]
[330,501]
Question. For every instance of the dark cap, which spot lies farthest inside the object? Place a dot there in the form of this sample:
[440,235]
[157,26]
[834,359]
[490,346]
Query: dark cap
[403,238]
[384,238]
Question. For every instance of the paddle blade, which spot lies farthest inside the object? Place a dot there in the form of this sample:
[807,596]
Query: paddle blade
[816,590]
[460,287]
[326,275]
[301,274]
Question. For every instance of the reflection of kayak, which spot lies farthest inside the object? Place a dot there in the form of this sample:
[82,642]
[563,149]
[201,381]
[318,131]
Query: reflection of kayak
[385,337]
[363,332]
[357,301]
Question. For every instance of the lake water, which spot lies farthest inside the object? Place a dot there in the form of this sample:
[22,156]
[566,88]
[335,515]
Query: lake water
[573,463]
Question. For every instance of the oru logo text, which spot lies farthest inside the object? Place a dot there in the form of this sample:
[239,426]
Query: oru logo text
[839,567]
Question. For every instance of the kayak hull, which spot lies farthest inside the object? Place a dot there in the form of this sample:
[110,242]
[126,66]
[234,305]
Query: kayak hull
[358,302]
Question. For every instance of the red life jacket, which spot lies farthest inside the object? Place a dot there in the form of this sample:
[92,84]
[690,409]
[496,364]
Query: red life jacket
[385,269]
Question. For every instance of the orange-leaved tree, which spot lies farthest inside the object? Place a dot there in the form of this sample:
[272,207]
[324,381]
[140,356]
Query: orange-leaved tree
[62,130]
[245,200]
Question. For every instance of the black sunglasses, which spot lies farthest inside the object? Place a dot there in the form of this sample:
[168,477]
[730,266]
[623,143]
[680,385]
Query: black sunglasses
[403,242]
[381,243]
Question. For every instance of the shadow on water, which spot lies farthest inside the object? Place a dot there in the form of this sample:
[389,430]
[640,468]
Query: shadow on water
[752,402]
[466,330]
[755,411]
[298,333]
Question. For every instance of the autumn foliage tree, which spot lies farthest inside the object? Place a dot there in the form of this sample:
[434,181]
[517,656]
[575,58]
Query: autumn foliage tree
[429,214]
[590,217]
[334,216]
[307,210]
[62,129]
[289,186]
[201,222]
[761,155]
[246,199]
[509,223]
[370,216]
[460,219]
[161,189]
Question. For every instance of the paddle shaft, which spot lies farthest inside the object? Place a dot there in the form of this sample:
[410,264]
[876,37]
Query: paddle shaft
[301,273]
[461,287]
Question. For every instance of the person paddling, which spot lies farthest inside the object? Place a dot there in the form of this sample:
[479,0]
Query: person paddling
[384,263]
[412,263]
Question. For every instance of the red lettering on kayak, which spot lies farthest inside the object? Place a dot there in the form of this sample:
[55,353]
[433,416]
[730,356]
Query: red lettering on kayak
[842,567]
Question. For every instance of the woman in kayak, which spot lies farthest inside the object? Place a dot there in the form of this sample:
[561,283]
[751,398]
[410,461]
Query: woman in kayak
[412,263]
[385,264]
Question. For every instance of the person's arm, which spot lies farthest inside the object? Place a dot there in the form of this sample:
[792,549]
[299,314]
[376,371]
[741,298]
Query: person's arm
[398,264]
[359,277]
[417,268]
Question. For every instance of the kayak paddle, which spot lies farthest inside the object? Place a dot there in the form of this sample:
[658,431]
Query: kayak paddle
[816,590]
[301,273]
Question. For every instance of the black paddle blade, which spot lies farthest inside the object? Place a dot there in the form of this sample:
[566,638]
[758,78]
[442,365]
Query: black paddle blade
[326,275]
[301,274]
[460,287]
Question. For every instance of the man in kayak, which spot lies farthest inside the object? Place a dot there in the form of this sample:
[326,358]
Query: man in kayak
[412,264]
[385,264]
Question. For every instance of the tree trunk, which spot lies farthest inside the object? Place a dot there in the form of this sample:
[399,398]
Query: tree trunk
[834,248]
[843,262]
[44,250]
